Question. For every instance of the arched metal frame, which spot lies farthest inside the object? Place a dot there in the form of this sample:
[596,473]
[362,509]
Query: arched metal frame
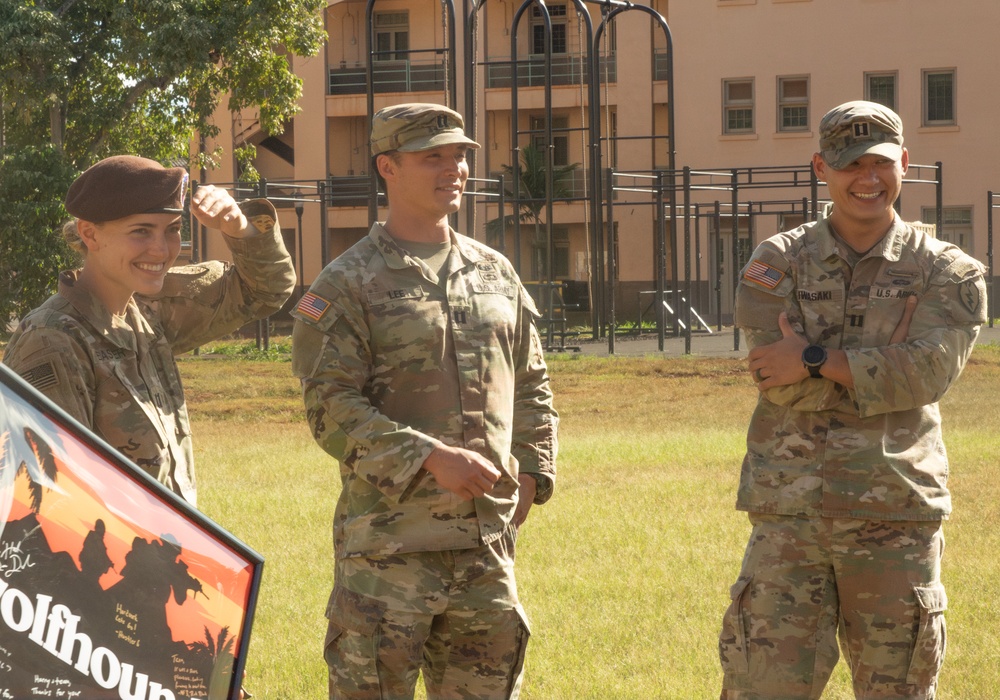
[595,185]
[600,182]
[600,294]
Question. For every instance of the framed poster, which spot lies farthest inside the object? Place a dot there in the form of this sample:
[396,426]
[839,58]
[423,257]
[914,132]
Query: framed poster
[111,586]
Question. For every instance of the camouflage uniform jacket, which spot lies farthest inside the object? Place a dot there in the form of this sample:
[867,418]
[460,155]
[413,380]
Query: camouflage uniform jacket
[392,359]
[874,451]
[117,375]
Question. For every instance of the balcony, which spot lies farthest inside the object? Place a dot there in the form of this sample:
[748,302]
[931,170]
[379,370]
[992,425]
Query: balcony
[574,185]
[352,191]
[567,69]
[390,76]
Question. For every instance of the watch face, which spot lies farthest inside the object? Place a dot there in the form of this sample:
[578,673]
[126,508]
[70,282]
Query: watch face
[813,355]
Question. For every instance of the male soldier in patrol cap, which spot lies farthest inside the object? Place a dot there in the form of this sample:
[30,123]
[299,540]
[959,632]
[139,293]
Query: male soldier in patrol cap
[858,324]
[423,375]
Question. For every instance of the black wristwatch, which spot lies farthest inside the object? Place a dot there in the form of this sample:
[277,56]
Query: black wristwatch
[813,358]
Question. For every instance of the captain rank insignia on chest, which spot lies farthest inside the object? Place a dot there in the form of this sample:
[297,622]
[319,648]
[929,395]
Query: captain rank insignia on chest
[460,315]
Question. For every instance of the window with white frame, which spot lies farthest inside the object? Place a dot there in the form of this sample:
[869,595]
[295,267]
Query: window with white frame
[737,106]
[939,97]
[881,88]
[793,103]
[956,225]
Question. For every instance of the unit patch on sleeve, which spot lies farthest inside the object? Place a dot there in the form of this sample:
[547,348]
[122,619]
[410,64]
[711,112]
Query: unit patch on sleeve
[763,274]
[968,293]
[312,306]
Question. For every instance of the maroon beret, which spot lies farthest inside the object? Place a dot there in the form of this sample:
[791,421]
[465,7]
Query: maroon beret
[120,186]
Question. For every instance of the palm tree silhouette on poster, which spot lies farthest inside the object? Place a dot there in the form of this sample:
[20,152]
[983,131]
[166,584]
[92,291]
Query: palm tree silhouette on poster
[216,653]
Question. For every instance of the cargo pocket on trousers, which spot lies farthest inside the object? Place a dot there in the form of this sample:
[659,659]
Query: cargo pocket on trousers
[522,633]
[733,651]
[349,612]
[929,645]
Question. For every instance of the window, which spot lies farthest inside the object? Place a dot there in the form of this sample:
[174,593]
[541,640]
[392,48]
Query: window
[557,15]
[392,35]
[939,97]
[881,88]
[793,104]
[560,255]
[737,106]
[560,139]
[956,225]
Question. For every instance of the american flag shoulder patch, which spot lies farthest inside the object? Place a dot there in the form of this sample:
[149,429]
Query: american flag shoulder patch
[763,274]
[312,306]
[42,376]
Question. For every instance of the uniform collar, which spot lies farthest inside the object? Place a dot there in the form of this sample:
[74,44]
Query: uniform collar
[398,259]
[890,247]
[104,323]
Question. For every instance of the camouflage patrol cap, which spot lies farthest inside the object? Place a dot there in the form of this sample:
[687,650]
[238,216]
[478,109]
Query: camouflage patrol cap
[855,128]
[121,186]
[417,126]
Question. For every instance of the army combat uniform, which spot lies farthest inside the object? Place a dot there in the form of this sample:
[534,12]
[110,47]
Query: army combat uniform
[117,375]
[846,488]
[393,359]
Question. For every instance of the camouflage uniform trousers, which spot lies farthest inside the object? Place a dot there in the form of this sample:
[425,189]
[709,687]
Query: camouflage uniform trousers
[803,578]
[452,614]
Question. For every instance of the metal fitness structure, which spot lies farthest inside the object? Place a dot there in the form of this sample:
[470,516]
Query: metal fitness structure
[737,183]
[485,190]
[694,211]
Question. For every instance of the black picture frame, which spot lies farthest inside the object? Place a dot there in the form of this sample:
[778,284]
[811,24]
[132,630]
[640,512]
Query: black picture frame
[84,610]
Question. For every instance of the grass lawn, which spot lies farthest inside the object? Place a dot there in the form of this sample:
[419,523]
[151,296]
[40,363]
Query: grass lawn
[625,573]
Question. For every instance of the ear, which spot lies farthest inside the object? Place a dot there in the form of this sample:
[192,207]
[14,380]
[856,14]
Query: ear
[87,230]
[819,167]
[904,161]
[386,166]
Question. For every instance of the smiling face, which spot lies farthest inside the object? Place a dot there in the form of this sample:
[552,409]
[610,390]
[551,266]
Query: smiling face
[128,256]
[863,193]
[428,184]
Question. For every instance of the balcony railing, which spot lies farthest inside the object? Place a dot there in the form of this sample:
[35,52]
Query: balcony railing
[353,191]
[390,76]
[574,184]
[349,191]
[567,69]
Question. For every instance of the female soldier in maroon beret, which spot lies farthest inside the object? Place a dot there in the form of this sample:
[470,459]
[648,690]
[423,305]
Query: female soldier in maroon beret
[103,347]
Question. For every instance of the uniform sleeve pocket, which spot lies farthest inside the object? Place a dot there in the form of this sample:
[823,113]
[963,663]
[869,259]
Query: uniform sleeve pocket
[929,645]
[733,651]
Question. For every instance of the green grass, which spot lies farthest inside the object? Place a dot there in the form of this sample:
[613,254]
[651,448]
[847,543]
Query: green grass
[625,573]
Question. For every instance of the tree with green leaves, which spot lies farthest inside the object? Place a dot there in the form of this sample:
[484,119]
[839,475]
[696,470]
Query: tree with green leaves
[84,79]
[533,198]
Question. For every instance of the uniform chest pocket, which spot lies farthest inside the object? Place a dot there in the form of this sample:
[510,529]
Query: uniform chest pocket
[405,317]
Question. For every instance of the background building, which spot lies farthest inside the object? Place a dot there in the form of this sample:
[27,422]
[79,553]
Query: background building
[751,80]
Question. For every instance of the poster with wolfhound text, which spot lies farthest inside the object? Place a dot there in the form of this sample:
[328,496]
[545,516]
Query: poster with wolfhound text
[110,585]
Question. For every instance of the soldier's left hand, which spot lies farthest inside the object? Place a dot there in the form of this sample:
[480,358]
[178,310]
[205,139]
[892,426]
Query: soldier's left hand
[215,208]
[779,363]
